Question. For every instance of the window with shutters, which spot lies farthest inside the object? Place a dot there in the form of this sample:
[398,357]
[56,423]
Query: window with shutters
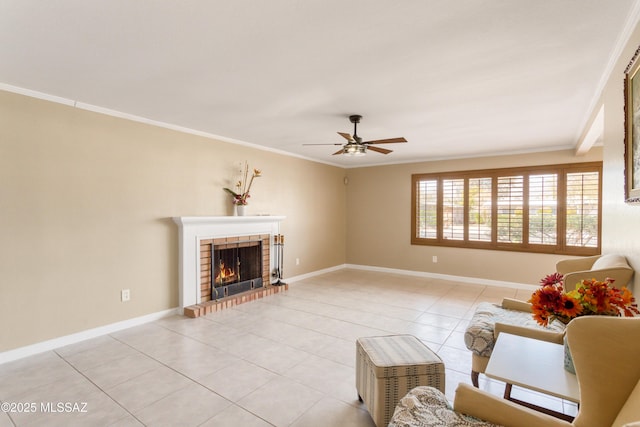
[480,212]
[551,209]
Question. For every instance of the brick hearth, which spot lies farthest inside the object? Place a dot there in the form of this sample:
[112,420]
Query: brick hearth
[213,306]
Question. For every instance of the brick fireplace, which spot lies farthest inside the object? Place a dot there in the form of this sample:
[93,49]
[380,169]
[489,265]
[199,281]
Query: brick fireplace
[234,264]
[215,254]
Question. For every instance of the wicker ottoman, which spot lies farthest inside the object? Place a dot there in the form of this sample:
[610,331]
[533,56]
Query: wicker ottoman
[388,367]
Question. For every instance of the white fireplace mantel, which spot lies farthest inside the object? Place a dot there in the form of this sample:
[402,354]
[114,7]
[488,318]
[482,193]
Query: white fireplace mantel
[192,229]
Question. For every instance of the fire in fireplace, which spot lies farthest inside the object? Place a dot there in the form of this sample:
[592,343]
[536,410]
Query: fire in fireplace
[237,267]
[225,274]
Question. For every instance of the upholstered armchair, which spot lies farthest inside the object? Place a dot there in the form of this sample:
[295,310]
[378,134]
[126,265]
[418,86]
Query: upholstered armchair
[605,353]
[595,267]
[512,316]
[515,316]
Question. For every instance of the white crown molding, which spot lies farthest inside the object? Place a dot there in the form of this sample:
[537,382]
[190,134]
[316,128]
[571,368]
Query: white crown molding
[126,116]
[623,38]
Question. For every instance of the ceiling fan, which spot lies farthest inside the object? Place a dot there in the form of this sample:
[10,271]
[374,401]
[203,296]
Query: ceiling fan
[356,147]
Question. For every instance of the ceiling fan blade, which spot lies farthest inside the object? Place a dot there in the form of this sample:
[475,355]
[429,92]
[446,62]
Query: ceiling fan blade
[379,150]
[346,136]
[386,141]
[335,143]
[339,152]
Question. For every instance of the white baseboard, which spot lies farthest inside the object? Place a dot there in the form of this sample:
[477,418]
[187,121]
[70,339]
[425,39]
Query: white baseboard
[463,279]
[54,343]
[314,273]
[472,280]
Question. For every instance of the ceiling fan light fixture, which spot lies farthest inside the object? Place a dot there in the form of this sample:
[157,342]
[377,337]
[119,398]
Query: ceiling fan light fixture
[355,150]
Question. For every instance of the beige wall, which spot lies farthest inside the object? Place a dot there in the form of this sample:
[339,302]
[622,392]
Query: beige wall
[86,201]
[621,222]
[379,206]
[85,207]
[379,224]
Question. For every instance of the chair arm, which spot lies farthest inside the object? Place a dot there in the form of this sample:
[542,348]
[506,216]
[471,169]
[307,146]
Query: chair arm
[538,334]
[578,264]
[516,304]
[480,404]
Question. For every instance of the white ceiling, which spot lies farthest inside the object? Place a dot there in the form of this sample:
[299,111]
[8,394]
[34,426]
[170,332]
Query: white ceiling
[456,78]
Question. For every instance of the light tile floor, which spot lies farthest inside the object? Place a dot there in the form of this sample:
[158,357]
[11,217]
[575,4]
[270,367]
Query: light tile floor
[284,360]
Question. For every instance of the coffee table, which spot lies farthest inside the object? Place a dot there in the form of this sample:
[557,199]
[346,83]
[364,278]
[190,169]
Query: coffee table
[533,364]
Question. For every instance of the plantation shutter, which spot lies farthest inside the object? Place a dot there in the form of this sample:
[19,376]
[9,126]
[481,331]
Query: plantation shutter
[582,209]
[427,209]
[453,209]
[480,210]
[510,209]
[543,209]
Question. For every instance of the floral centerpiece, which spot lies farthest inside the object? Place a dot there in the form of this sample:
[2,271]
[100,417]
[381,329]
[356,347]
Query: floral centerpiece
[590,297]
[243,187]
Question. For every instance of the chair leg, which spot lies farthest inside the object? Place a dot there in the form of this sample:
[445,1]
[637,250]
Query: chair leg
[474,378]
[507,391]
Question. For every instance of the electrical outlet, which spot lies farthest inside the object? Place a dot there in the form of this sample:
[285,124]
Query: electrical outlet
[297,261]
[125,295]
[435,258]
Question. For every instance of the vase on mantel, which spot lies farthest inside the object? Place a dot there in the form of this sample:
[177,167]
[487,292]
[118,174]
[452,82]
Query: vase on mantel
[240,210]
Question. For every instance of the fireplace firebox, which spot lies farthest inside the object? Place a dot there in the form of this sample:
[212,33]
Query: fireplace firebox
[237,267]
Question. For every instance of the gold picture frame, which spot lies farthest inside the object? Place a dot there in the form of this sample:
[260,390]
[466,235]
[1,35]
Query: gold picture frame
[632,130]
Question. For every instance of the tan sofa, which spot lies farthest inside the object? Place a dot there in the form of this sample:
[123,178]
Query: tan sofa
[515,316]
[605,354]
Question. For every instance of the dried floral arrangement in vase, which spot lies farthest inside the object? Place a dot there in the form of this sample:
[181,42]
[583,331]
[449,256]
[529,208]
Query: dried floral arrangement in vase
[588,298]
[243,186]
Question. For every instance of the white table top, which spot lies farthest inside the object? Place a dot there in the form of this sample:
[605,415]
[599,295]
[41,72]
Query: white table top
[533,364]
